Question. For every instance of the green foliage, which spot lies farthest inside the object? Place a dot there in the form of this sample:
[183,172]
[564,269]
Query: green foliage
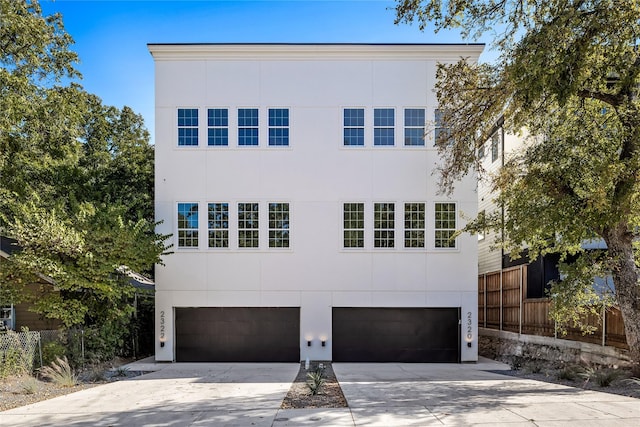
[603,377]
[51,351]
[60,373]
[569,372]
[568,82]
[77,181]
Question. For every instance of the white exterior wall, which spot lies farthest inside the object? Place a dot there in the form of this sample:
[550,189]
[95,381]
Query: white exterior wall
[315,174]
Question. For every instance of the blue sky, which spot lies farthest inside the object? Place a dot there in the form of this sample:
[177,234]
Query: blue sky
[111,36]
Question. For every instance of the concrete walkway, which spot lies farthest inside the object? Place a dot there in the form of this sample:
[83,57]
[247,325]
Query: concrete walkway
[389,394]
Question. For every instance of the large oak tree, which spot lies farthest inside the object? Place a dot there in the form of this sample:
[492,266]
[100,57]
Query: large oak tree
[568,74]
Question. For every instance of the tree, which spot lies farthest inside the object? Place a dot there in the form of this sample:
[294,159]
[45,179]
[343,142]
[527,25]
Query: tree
[567,74]
[77,178]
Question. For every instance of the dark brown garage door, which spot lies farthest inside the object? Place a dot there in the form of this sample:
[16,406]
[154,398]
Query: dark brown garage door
[237,334]
[396,334]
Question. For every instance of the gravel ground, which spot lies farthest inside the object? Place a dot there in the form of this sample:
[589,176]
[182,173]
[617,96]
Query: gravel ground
[330,395]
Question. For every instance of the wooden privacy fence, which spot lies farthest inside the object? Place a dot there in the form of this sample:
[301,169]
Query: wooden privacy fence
[502,305]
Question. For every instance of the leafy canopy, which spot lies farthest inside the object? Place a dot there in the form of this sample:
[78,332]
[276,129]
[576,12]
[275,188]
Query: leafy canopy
[77,178]
[566,81]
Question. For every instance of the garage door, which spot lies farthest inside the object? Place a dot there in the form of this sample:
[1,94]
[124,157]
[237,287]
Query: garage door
[237,334]
[396,334]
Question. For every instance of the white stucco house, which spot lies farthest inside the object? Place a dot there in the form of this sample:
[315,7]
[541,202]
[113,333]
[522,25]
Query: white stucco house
[297,181]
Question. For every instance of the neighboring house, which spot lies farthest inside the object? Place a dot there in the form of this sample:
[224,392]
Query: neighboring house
[16,316]
[298,185]
[491,258]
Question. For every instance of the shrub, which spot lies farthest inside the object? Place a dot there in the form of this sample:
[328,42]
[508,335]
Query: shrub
[569,373]
[315,380]
[601,376]
[29,385]
[51,351]
[60,373]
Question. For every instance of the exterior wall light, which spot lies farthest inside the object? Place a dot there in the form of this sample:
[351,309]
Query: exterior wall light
[324,343]
[308,343]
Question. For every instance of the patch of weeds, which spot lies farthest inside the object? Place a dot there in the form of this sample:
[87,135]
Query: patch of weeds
[603,377]
[60,372]
[29,385]
[569,373]
[316,380]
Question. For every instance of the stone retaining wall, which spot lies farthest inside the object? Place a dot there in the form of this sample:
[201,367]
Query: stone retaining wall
[509,347]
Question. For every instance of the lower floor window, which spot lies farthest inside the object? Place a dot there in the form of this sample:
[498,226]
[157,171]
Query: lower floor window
[445,225]
[248,225]
[414,225]
[383,225]
[187,225]
[218,225]
[353,220]
[278,225]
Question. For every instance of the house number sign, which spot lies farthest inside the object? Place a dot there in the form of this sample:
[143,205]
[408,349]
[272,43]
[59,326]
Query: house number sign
[469,326]
[162,325]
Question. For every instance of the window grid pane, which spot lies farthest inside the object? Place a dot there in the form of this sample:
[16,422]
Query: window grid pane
[279,126]
[445,225]
[353,126]
[218,130]
[353,217]
[247,126]
[384,225]
[187,225]
[414,225]
[218,225]
[248,225]
[278,225]
[414,122]
[383,126]
[188,126]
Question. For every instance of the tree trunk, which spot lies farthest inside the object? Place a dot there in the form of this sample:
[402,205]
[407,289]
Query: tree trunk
[625,278]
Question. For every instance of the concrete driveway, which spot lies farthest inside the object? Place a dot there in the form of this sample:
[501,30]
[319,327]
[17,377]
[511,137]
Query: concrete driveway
[379,394]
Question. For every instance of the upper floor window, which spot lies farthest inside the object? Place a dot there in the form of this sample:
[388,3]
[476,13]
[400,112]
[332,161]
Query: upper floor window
[353,217]
[187,225]
[218,126]
[481,152]
[414,120]
[187,126]
[383,225]
[279,126]
[383,126]
[248,225]
[445,225]
[441,131]
[218,225]
[247,126]
[278,225]
[495,146]
[414,225]
[353,126]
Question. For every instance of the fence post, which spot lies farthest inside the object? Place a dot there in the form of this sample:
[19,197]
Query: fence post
[604,326]
[40,347]
[521,299]
[485,300]
[500,319]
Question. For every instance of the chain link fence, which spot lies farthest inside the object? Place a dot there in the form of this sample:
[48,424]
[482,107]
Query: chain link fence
[18,352]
